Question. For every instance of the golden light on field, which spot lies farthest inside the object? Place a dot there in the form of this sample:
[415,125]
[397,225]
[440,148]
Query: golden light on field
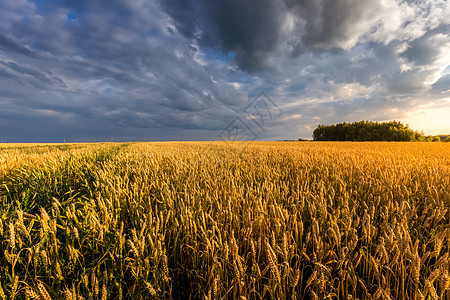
[216,220]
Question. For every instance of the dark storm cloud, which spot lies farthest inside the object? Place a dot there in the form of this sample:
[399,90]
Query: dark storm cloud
[248,28]
[256,30]
[329,23]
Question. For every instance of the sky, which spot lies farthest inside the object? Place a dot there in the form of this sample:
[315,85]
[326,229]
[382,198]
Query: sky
[97,70]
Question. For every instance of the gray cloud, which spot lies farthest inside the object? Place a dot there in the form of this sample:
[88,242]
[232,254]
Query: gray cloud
[442,86]
[121,65]
[426,49]
[11,46]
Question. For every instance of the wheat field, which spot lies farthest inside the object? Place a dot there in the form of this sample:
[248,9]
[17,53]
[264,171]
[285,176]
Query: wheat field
[202,220]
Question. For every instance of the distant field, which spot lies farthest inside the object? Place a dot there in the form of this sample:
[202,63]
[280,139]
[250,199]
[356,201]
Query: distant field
[205,220]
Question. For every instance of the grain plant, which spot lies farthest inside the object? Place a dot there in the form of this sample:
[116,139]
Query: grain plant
[202,220]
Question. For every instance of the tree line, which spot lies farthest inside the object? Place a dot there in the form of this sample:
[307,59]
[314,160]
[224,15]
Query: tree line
[370,131]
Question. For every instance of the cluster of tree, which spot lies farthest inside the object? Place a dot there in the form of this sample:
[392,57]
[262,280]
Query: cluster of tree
[443,138]
[437,138]
[367,131]
[431,138]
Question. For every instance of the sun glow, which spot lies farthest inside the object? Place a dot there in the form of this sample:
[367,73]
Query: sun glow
[433,119]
